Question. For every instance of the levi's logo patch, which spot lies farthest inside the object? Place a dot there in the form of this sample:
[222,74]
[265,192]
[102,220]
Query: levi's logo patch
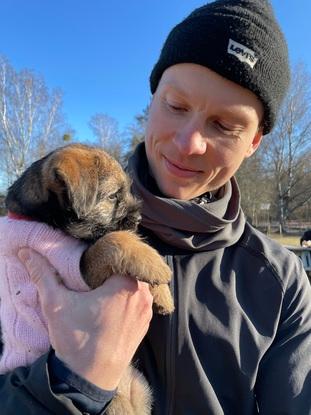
[243,53]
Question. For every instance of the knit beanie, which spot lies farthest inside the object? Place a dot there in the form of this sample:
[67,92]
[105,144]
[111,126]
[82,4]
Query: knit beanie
[238,39]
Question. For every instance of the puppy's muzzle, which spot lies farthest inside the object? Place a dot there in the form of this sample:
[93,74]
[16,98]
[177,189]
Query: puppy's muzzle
[132,218]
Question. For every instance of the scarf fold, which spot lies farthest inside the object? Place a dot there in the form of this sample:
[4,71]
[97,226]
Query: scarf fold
[186,224]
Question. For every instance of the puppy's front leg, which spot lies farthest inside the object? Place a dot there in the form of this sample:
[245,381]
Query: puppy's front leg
[94,264]
[124,253]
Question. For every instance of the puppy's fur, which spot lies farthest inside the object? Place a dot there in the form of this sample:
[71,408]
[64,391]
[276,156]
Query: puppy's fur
[85,193]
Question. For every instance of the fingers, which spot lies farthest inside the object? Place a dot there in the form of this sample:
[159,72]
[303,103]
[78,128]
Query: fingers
[144,287]
[146,300]
[41,272]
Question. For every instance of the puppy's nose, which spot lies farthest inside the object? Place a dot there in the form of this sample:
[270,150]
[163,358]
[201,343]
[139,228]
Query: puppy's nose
[134,216]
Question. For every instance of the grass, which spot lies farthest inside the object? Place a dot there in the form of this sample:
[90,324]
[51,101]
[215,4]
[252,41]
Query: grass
[286,239]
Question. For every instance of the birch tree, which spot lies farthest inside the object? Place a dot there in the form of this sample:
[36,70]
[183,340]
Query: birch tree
[286,151]
[106,132]
[31,119]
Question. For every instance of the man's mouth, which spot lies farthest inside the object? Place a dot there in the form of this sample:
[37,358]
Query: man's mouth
[180,170]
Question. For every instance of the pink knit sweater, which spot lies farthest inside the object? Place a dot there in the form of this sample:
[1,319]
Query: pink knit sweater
[24,329]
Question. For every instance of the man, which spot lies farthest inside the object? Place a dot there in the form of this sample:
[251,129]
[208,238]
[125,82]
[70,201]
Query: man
[239,341]
[305,240]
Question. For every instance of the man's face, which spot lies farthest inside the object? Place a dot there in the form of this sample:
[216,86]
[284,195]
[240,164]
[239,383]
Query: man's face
[200,129]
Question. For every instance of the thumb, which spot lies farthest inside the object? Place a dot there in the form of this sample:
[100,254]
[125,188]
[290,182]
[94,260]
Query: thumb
[41,273]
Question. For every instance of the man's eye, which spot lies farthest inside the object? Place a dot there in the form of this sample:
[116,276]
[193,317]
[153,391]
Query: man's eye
[175,107]
[223,127]
[227,130]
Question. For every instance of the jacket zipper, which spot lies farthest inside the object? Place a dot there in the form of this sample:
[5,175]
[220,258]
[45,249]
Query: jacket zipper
[171,346]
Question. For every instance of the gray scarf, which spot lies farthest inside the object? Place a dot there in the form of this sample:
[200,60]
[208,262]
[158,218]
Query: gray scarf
[186,224]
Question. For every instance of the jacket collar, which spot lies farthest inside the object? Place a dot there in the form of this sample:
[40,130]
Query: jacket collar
[186,224]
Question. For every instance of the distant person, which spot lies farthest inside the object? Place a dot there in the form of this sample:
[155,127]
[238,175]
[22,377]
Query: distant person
[305,240]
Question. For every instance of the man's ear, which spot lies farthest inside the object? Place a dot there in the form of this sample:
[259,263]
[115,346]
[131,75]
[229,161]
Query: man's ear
[255,143]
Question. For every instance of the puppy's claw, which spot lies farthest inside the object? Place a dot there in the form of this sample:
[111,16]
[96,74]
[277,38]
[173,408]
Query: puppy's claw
[162,299]
[156,272]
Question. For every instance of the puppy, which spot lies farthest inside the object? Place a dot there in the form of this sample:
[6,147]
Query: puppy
[82,192]
[305,240]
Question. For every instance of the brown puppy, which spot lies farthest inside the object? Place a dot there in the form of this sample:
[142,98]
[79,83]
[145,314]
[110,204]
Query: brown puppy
[85,193]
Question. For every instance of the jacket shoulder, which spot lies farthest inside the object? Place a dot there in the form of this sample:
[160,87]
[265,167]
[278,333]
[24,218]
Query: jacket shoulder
[283,264]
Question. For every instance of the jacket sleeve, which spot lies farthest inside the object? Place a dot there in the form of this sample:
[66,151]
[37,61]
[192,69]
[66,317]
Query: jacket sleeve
[28,391]
[85,395]
[284,375]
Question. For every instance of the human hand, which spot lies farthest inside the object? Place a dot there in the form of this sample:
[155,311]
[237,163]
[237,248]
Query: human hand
[95,333]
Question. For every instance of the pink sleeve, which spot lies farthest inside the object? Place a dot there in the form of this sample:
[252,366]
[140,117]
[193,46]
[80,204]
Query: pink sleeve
[24,328]
[64,253]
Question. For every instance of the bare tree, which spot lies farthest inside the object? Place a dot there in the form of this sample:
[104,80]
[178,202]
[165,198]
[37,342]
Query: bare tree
[31,121]
[255,188]
[136,132]
[286,151]
[137,129]
[106,131]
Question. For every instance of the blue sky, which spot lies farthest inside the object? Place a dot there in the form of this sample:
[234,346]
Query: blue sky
[101,52]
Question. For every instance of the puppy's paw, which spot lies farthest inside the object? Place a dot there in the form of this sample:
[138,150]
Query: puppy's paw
[130,255]
[162,299]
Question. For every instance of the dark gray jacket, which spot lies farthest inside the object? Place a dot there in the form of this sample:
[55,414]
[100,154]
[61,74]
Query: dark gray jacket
[239,341]
[240,338]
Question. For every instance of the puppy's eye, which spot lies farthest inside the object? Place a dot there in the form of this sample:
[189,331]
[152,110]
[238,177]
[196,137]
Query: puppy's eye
[113,197]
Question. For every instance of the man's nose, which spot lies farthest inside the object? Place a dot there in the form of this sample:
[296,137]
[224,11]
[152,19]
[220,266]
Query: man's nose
[190,140]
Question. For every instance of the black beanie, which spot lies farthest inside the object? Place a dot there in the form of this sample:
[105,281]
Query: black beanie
[241,41]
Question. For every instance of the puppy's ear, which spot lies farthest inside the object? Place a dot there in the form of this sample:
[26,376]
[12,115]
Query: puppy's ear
[73,178]
[40,194]
[28,193]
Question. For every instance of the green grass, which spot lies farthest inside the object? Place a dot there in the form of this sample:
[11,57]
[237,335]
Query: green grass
[286,239]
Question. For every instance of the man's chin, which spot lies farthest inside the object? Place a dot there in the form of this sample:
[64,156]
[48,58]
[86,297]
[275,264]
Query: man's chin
[174,192]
